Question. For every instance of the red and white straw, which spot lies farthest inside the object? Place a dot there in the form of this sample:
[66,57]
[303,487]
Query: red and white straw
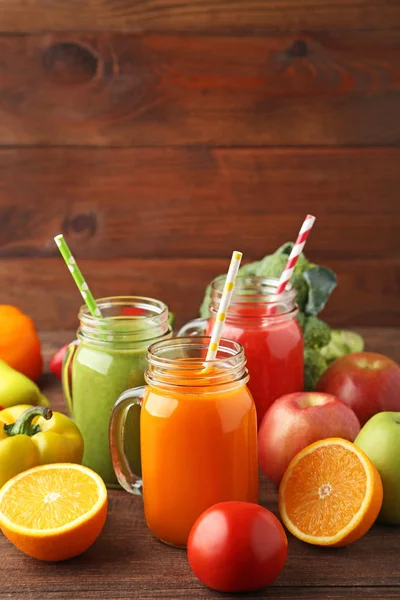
[295,253]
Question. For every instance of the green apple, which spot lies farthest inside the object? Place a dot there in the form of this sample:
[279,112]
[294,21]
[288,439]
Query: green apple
[380,440]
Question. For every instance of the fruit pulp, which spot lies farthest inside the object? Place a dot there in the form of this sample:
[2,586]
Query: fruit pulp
[330,494]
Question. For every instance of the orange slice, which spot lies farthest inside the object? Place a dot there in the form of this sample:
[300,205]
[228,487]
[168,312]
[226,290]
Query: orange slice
[53,512]
[330,494]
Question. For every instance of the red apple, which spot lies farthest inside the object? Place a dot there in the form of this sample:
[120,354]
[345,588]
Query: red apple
[368,383]
[295,421]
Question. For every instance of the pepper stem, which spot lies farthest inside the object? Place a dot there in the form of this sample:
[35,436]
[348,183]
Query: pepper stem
[23,425]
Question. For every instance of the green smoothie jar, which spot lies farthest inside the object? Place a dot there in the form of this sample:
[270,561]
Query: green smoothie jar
[108,358]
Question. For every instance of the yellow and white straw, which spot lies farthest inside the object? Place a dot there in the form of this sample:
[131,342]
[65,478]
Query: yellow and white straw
[224,305]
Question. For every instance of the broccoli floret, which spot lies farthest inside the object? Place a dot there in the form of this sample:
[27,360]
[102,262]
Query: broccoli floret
[301,287]
[286,248]
[250,269]
[303,264]
[271,266]
[301,319]
[342,342]
[314,366]
[316,333]
[313,284]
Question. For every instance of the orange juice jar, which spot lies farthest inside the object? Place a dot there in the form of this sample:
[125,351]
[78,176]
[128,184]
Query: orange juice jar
[198,435]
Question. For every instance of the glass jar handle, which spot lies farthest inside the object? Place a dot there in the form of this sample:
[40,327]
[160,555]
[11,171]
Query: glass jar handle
[129,481]
[195,327]
[69,355]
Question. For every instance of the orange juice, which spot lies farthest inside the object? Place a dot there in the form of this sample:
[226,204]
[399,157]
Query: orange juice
[198,432]
[198,448]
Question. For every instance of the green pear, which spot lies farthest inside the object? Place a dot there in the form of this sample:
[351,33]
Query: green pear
[380,440]
[16,388]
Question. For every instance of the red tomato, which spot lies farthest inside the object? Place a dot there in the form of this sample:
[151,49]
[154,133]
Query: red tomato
[237,547]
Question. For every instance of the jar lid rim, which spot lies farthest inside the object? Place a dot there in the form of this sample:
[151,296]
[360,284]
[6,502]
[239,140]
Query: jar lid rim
[155,307]
[264,289]
[234,351]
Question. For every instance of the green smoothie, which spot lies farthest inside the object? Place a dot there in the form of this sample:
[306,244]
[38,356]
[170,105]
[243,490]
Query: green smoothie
[99,376]
[109,359]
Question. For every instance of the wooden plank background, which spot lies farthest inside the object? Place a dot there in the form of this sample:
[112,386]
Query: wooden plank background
[327,89]
[197,15]
[157,136]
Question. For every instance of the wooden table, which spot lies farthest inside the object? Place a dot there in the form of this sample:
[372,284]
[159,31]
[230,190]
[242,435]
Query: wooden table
[127,562]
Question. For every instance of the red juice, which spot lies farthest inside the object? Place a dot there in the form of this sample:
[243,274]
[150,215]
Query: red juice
[266,326]
[274,353]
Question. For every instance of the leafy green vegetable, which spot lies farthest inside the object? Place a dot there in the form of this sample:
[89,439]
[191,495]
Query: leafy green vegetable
[205,305]
[314,366]
[301,319]
[303,264]
[314,285]
[270,266]
[250,269]
[342,342]
[316,333]
[302,292]
[321,283]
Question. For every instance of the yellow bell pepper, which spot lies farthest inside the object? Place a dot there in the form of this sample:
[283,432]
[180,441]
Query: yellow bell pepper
[34,435]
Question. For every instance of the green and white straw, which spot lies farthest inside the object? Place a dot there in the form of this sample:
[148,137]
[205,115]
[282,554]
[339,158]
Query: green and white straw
[77,276]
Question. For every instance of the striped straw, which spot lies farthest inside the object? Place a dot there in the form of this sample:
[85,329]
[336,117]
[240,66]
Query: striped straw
[295,253]
[224,305]
[77,276]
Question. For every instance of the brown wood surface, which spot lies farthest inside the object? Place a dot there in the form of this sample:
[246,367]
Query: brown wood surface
[156,135]
[125,90]
[196,15]
[367,292]
[199,202]
[127,562]
[163,222]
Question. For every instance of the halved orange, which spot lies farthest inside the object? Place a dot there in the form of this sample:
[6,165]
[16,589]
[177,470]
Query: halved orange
[53,512]
[330,494]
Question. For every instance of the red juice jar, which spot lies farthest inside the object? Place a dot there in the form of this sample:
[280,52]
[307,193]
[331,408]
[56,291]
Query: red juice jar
[265,324]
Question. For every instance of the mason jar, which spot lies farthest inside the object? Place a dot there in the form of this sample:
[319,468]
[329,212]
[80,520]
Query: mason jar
[108,357]
[264,322]
[198,435]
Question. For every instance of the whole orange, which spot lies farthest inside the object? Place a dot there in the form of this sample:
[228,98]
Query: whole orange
[19,342]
